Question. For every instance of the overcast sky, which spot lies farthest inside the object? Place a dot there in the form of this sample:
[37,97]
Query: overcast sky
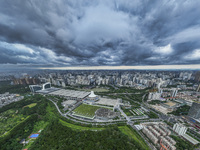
[56,33]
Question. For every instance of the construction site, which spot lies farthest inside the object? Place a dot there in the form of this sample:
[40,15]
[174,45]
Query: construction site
[158,134]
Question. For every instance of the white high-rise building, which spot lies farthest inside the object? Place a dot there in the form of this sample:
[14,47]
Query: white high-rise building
[180,129]
[174,92]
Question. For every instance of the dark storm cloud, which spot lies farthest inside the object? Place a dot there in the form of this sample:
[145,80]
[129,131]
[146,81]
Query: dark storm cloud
[91,32]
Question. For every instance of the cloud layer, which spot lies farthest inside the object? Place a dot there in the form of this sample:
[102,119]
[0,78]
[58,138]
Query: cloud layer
[99,32]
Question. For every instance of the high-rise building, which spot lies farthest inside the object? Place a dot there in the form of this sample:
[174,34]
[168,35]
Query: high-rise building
[179,129]
[174,92]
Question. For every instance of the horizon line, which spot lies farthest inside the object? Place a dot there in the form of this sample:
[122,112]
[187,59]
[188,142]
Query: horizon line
[149,67]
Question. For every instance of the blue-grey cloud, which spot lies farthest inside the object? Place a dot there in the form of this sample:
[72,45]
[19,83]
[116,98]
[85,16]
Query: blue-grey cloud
[94,32]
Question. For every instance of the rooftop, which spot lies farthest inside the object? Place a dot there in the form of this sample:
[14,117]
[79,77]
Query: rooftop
[70,93]
[190,139]
[107,101]
[69,102]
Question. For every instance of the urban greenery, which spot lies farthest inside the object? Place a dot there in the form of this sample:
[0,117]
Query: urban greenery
[18,89]
[134,135]
[182,144]
[35,113]
[182,110]
[152,115]
[57,136]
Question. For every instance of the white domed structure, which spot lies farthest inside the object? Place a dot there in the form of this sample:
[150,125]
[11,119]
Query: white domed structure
[92,95]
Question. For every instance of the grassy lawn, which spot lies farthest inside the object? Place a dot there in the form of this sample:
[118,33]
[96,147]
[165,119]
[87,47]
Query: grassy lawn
[77,127]
[86,110]
[31,105]
[134,135]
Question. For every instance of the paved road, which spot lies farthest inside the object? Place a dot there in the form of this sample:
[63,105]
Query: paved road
[123,93]
[57,107]
[127,118]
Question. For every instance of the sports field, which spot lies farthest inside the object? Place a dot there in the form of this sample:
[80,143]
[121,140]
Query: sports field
[170,103]
[85,110]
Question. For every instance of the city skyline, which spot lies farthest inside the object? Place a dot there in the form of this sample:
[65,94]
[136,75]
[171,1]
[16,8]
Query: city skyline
[99,34]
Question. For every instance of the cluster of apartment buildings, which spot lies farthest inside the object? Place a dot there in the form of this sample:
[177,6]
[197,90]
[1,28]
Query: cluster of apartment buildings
[159,135]
[7,98]
[25,81]
[137,79]
[170,93]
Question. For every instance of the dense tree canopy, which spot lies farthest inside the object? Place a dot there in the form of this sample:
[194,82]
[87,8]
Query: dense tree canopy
[57,136]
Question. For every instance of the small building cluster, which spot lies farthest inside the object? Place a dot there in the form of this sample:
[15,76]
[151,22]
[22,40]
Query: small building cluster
[159,134]
[7,98]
